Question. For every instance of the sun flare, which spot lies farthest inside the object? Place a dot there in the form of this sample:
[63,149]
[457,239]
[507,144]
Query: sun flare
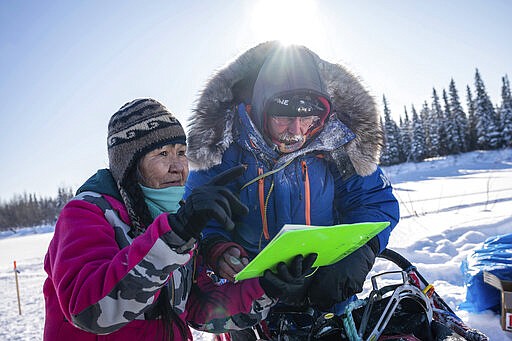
[289,21]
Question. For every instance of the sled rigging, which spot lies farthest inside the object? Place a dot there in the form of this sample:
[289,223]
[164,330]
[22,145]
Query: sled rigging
[409,310]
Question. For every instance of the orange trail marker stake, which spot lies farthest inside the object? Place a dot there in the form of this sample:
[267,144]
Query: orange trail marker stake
[17,287]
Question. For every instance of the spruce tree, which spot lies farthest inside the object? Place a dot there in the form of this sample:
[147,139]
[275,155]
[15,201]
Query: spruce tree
[418,138]
[426,125]
[450,126]
[405,137]
[487,125]
[506,112]
[459,116]
[391,153]
[401,149]
[471,133]
[437,130]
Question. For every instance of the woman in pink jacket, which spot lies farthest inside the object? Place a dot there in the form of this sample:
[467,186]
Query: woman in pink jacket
[122,264]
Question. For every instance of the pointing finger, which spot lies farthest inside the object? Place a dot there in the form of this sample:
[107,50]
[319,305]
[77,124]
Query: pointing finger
[227,176]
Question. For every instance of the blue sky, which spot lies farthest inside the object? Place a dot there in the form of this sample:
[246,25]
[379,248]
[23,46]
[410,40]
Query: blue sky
[67,66]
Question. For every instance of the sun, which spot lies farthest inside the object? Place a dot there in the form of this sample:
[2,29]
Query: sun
[290,21]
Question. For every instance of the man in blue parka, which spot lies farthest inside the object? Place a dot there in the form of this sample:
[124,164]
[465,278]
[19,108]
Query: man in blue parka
[310,137]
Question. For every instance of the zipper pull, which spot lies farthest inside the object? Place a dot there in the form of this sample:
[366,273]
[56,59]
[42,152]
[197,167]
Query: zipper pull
[304,170]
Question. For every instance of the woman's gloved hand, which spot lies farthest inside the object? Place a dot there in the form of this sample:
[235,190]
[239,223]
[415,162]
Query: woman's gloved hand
[337,282]
[210,201]
[290,283]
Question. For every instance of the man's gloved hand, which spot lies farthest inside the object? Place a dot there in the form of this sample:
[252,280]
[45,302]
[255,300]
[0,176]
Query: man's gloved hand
[231,262]
[337,282]
[210,201]
[289,284]
[225,257]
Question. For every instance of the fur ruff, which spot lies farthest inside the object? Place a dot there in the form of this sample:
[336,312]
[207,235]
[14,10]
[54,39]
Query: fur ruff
[210,132]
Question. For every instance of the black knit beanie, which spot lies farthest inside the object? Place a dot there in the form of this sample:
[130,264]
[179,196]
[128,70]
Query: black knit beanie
[137,128]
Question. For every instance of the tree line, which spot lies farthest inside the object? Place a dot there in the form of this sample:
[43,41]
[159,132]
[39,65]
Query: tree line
[442,127]
[27,210]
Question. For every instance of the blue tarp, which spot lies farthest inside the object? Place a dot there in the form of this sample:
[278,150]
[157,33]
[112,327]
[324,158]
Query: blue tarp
[495,256]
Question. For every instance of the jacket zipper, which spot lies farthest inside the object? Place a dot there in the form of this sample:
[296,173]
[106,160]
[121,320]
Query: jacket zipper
[307,193]
[263,206]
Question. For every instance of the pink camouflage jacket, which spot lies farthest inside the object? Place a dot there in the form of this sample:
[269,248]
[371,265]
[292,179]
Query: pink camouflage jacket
[101,283]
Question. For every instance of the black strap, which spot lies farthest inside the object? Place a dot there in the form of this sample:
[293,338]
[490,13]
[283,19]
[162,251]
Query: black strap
[343,163]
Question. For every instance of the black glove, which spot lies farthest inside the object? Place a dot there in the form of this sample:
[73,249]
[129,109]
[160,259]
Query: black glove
[289,284]
[337,282]
[211,201]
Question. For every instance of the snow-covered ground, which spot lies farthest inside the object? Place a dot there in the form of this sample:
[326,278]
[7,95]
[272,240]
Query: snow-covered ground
[449,206]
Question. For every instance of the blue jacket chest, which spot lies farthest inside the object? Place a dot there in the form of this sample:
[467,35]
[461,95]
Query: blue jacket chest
[299,192]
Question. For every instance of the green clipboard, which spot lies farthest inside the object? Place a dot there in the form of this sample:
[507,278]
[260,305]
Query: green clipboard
[331,243]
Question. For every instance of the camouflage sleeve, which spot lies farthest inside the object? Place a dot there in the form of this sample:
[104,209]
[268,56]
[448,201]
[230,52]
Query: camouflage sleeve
[101,286]
[221,308]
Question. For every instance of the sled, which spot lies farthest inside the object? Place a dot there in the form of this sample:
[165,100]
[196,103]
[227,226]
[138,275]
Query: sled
[407,310]
[414,299]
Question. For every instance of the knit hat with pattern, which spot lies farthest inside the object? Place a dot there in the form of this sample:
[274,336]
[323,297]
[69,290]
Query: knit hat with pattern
[137,128]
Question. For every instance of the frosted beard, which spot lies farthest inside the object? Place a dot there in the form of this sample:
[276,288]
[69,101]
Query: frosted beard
[288,143]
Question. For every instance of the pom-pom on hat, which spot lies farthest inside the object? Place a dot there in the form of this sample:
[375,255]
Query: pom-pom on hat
[135,129]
